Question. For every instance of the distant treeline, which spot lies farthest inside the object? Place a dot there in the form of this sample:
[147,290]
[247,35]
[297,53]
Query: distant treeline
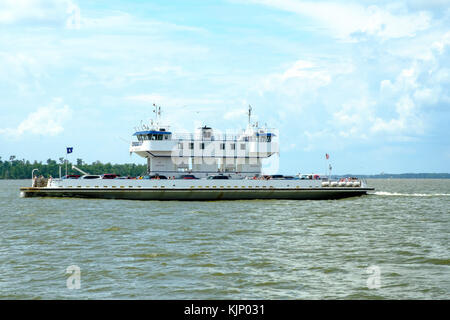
[405,176]
[21,169]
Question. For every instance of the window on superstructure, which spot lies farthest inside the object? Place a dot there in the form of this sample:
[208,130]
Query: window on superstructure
[180,145]
[207,134]
[242,146]
[191,145]
[202,146]
[232,146]
[222,146]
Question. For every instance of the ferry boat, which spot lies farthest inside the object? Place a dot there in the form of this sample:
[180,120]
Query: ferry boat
[204,165]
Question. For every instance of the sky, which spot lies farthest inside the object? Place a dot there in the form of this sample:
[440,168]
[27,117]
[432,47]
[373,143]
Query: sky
[367,82]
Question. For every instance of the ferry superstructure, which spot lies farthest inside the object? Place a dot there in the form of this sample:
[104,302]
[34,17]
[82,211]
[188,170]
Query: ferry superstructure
[204,165]
[205,152]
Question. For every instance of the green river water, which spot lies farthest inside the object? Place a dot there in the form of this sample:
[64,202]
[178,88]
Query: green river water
[392,244]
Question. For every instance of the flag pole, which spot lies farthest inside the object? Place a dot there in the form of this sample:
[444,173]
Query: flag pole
[328,170]
[68,150]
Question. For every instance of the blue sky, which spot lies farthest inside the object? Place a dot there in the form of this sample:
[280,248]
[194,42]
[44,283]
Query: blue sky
[366,81]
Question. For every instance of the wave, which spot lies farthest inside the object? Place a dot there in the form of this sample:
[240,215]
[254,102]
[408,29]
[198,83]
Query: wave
[396,194]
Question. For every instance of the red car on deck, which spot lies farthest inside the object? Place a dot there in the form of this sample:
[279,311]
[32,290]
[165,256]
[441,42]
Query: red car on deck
[110,176]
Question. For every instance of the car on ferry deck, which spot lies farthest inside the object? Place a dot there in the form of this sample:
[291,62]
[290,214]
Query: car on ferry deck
[91,176]
[219,177]
[188,176]
[110,176]
[71,176]
[277,177]
[157,177]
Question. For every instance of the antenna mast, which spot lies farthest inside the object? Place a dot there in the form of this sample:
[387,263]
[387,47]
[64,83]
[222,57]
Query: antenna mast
[157,112]
[249,113]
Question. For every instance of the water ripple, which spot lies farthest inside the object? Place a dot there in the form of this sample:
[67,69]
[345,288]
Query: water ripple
[229,249]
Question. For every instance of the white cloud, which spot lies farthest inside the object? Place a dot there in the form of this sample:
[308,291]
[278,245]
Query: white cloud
[298,86]
[40,12]
[45,121]
[171,101]
[73,20]
[301,76]
[20,67]
[337,103]
[354,115]
[124,21]
[442,43]
[406,81]
[408,120]
[126,71]
[347,21]
[179,111]
[235,114]
[307,70]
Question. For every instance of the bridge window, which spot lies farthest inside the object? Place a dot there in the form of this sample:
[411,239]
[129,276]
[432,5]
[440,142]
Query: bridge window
[265,138]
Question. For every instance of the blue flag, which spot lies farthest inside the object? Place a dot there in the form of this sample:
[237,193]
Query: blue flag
[69,150]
